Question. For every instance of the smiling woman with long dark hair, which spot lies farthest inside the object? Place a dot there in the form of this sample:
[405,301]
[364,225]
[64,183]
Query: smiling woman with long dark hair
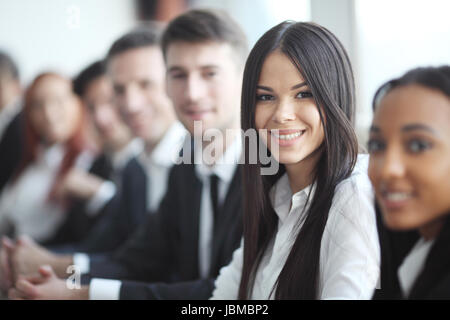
[309,230]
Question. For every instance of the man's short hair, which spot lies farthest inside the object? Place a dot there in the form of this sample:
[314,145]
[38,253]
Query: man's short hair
[87,75]
[198,26]
[8,67]
[143,36]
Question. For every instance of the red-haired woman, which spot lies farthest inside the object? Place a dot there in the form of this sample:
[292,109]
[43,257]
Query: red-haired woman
[32,203]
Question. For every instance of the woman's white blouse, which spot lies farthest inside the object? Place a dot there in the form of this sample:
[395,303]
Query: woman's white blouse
[349,251]
[24,203]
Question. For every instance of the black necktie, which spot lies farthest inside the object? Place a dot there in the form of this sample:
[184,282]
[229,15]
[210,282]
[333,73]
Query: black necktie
[213,184]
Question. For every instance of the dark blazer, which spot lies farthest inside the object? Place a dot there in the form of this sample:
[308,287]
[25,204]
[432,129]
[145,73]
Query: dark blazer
[78,222]
[432,283]
[164,252]
[11,146]
[118,220]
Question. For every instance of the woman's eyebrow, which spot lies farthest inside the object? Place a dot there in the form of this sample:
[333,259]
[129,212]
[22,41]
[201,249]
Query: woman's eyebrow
[418,126]
[374,129]
[209,66]
[299,85]
[302,84]
[175,69]
[264,88]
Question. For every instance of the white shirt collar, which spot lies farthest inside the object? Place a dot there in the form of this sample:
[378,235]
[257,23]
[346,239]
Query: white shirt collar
[282,197]
[225,166]
[281,194]
[167,150]
[133,148]
[51,156]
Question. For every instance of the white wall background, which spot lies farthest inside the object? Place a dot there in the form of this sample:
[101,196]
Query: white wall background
[49,34]
[258,16]
[395,36]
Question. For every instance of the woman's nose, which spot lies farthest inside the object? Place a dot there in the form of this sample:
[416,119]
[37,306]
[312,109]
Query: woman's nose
[393,163]
[284,112]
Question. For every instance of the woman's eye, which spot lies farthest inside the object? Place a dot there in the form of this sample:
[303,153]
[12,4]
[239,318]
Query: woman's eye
[178,76]
[305,94]
[36,106]
[417,145]
[119,90]
[145,84]
[264,97]
[210,74]
[375,145]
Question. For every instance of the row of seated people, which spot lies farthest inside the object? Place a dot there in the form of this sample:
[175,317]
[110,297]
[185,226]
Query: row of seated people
[328,223]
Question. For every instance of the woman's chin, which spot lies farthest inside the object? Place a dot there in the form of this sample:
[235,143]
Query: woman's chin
[399,223]
[56,138]
[287,159]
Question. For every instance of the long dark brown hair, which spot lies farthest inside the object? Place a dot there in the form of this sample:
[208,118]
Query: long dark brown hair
[325,66]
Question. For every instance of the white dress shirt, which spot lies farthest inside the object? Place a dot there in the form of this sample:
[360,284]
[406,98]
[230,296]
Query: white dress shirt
[24,203]
[104,289]
[159,163]
[349,251]
[413,265]
[132,149]
[224,170]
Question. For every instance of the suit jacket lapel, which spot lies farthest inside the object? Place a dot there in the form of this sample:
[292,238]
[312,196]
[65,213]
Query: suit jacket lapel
[228,213]
[190,217]
[436,267]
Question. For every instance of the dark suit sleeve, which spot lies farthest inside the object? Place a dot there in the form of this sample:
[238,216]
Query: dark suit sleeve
[193,290]
[119,218]
[81,233]
[76,226]
[161,258]
[394,246]
[149,254]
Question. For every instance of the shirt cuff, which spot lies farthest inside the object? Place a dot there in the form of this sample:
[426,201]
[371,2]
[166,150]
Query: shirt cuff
[105,193]
[104,289]
[82,261]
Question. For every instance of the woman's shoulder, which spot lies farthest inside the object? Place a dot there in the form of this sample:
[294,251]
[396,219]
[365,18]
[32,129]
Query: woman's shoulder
[358,182]
[352,214]
[354,195]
